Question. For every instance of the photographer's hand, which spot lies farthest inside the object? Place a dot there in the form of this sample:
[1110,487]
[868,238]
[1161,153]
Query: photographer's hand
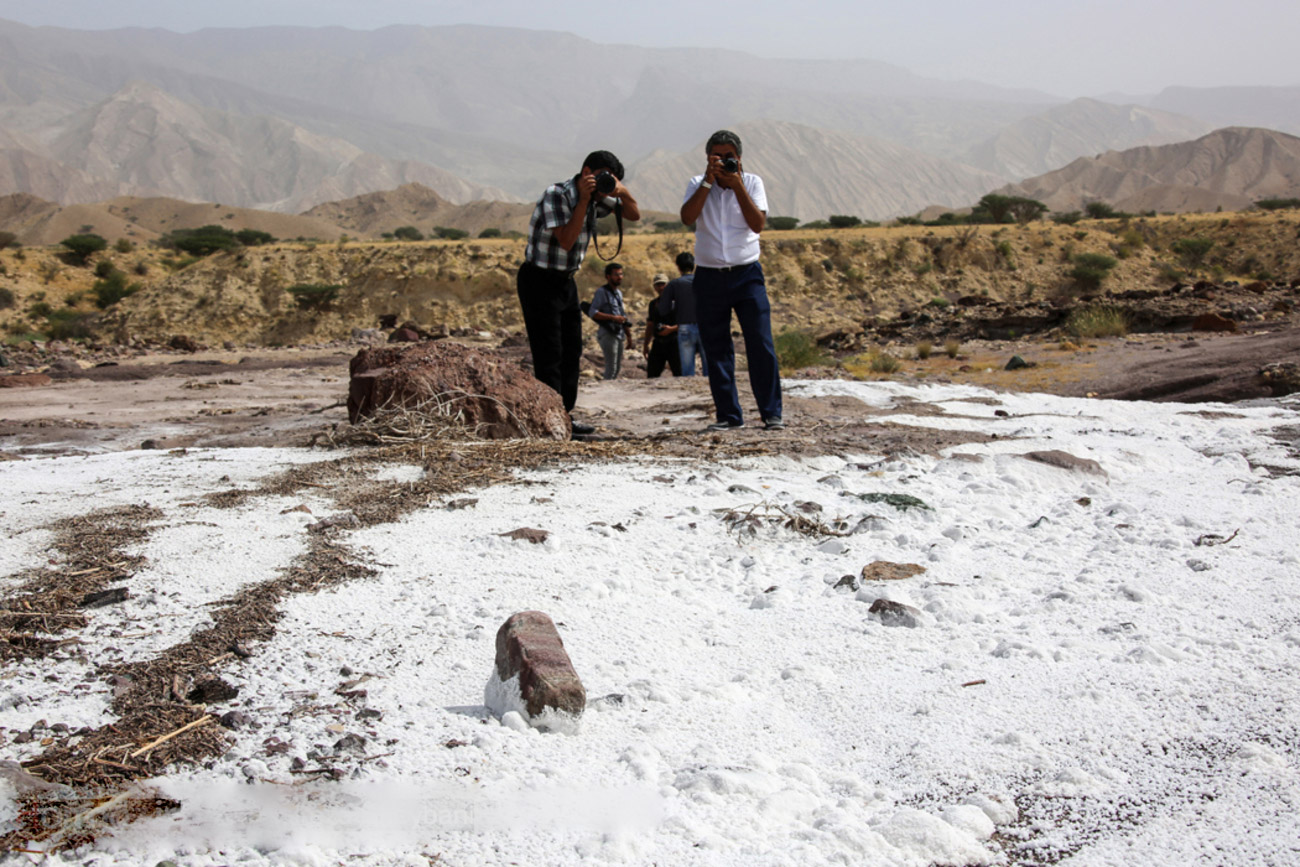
[691,208]
[733,181]
[624,195]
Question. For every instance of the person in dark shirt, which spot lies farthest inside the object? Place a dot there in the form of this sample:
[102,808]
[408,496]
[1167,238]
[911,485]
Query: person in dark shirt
[660,343]
[678,301]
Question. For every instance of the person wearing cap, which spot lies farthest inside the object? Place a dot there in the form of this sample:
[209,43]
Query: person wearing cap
[728,207]
[660,343]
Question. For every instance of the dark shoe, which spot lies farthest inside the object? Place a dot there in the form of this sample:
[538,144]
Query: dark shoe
[582,428]
[774,423]
[725,425]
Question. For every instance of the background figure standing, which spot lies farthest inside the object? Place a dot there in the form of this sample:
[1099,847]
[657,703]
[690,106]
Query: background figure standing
[660,343]
[679,300]
[558,234]
[611,318]
[728,207]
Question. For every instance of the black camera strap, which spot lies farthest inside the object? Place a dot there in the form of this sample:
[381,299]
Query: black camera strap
[618,218]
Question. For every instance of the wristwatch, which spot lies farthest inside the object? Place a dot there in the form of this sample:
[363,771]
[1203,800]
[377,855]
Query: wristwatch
[706,185]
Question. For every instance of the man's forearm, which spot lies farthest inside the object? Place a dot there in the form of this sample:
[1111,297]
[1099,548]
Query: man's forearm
[754,218]
[567,235]
[692,207]
[630,209]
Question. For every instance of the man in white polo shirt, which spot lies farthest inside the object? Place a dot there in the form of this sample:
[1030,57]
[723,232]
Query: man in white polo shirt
[728,207]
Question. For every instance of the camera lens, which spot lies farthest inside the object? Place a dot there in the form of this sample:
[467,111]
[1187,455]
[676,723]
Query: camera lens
[730,165]
[605,183]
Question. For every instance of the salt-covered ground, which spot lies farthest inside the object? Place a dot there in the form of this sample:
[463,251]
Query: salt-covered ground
[1085,684]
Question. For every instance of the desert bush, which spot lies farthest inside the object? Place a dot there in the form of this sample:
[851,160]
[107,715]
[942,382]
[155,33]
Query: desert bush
[1005,254]
[408,233]
[179,264]
[124,245]
[938,301]
[1090,269]
[671,226]
[447,233]
[817,224]
[1067,218]
[112,289]
[202,241]
[882,362]
[1192,250]
[104,267]
[39,309]
[254,238]
[6,298]
[782,224]
[49,269]
[7,238]
[490,232]
[797,349]
[924,348]
[1099,211]
[314,296]
[81,247]
[907,221]
[69,325]
[951,347]
[1024,210]
[1170,272]
[1266,204]
[843,221]
[1098,320]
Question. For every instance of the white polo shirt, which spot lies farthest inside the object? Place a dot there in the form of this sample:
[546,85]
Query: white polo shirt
[722,237]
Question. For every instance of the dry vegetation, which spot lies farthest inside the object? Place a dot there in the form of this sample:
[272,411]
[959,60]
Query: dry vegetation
[818,280]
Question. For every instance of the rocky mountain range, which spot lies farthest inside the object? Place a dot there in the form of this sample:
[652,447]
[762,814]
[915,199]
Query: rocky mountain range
[286,118]
[1229,168]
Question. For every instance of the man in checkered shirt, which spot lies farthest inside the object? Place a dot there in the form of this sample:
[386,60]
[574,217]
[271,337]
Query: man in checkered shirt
[558,234]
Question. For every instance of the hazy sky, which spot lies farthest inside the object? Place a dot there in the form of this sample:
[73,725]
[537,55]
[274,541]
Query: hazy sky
[1082,48]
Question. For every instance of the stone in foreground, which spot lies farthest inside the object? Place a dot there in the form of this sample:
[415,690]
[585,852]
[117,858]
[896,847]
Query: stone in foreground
[489,394]
[533,675]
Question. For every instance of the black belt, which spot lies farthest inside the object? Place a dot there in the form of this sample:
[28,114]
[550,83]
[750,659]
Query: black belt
[724,267]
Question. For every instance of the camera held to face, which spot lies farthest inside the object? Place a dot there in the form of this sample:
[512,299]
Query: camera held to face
[730,165]
[605,182]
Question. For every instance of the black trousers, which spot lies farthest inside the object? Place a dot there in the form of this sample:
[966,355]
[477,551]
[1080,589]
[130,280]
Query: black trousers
[663,349]
[553,320]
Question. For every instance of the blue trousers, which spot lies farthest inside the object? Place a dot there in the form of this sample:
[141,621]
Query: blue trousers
[718,294]
[688,340]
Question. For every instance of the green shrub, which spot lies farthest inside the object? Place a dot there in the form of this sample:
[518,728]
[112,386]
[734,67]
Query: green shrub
[81,247]
[112,289]
[69,325]
[104,267]
[202,241]
[844,221]
[447,233]
[179,264]
[817,224]
[124,245]
[1068,218]
[797,349]
[39,310]
[1266,204]
[254,238]
[6,298]
[408,233]
[1170,272]
[924,348]
[1099,211]
[671,226]
[907,221]
[1192,250]
[1098,320]
[7,238]
[782,224]
[938,301]
[490,232]
[314,296]
[951,347]
[1090,269]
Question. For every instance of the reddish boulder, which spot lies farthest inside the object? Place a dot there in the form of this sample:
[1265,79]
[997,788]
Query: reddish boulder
[530,653]
[491,394]
[24,380]
[1213,322]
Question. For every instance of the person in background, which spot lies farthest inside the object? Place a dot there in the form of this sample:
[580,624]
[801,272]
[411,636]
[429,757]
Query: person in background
[678,299]
[728,207]
[660,343]
[614,327]
[559,232]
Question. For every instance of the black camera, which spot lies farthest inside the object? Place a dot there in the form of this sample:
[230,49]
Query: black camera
[730,165]
[605,182]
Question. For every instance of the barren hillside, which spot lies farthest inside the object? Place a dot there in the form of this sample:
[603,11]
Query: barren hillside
[1229,168]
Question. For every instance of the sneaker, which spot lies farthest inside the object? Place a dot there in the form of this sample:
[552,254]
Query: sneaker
[725,425]
[774,423]
[582,428]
